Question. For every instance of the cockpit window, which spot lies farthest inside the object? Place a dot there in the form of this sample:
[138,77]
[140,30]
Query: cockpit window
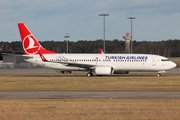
[164,60]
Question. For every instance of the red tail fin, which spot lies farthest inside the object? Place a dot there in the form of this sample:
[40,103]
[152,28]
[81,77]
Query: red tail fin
[30,43]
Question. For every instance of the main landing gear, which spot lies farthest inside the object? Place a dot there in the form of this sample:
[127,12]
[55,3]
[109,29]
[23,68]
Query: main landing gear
[158,74]
[89,74]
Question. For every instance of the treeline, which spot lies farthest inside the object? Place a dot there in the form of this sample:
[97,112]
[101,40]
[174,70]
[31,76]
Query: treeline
[168,48]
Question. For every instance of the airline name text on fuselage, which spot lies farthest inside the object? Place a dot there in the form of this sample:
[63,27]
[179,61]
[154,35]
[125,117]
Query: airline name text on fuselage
[127,57]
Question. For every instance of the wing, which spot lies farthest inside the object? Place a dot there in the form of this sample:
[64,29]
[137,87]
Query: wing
[74,64]
[67,62]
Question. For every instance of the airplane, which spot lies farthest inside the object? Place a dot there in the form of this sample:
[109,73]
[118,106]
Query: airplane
[99,64]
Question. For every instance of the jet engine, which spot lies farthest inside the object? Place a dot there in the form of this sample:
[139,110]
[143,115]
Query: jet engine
[104,70]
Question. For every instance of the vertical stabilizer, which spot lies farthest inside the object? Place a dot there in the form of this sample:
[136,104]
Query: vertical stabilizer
[30,43]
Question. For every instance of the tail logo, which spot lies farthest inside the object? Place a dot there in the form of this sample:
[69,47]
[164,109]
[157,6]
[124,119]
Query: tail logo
[30,45]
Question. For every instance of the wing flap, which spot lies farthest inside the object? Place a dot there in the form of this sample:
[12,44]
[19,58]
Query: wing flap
[74,64]
[80,65]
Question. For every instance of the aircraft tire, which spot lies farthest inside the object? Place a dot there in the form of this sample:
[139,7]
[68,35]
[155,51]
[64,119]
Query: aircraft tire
[158,74]
[89,74]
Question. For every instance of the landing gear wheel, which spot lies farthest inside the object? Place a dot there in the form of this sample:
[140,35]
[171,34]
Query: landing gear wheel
[158,74]
[89,74]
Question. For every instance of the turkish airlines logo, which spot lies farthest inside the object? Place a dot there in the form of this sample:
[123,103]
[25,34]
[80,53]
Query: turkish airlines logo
[30,45]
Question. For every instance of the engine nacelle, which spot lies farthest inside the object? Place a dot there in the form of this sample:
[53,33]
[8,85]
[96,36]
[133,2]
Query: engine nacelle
[104,70]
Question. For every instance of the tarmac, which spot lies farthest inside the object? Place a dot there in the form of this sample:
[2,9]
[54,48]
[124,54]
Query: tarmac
[51,71]
[83,94]
[90,94]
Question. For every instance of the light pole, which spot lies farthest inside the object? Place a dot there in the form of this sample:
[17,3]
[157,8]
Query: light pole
[104,30]
[66,39]
[131,31]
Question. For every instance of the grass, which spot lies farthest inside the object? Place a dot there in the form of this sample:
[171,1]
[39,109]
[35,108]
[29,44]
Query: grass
[89,109]
[146,82]
[80,109]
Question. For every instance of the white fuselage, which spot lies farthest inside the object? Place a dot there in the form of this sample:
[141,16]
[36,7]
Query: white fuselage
[119,62]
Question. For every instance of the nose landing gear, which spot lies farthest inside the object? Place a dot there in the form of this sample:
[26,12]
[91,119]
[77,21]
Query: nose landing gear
[159,72]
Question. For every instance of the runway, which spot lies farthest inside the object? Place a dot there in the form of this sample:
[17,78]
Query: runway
[51,71]
[89,94]
[83,94]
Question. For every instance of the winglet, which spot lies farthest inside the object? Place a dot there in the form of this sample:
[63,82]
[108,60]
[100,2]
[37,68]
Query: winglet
[101,51]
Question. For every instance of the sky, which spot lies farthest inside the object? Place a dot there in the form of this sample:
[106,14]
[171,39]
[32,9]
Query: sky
[156,20]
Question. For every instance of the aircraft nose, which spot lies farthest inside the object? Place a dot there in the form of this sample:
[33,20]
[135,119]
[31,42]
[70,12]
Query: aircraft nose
[173,65]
